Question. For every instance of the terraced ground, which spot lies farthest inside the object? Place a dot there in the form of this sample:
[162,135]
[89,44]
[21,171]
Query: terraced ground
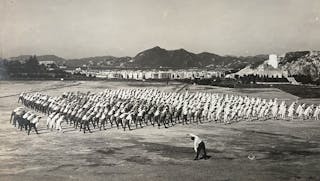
[282,150]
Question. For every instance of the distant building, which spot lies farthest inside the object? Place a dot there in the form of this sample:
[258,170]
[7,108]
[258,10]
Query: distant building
[63,67]
[314,53]
[151,74]
[262,70]
[46,63]
[273,61]
[164,75]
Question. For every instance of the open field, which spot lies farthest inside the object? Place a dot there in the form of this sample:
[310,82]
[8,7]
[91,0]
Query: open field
[283,150]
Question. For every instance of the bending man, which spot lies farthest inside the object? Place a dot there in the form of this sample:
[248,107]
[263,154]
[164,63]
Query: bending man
[199,147]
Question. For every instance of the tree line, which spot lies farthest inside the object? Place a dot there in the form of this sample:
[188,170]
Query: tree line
[30,69]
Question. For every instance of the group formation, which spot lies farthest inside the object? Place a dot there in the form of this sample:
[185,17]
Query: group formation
[24,119]
[143,107]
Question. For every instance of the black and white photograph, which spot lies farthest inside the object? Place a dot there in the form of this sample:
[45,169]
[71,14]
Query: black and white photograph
[160,90]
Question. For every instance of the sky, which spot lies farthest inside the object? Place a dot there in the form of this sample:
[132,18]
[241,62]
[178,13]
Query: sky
[82,28]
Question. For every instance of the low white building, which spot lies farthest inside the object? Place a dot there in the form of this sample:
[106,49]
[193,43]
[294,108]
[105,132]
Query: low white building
[46,63]
[154,74]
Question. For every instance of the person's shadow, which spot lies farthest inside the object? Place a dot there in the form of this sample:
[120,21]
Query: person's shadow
[207,157]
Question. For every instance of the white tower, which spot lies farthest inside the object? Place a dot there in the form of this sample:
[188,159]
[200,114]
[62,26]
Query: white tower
[273,60]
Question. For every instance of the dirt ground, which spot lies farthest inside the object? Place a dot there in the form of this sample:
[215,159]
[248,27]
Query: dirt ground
[282,150]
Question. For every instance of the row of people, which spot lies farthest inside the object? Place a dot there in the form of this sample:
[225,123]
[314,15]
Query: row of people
[150,106]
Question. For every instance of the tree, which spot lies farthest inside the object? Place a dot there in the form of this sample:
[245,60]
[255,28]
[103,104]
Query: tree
[32,65]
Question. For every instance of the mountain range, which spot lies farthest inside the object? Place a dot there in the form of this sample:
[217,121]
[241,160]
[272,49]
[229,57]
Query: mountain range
[296,63]
[156,58]
[181,58]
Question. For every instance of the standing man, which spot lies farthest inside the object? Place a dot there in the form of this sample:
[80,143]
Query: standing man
[199,147]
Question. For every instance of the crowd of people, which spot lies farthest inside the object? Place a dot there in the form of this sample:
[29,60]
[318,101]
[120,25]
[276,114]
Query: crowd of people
[142,107]
[25,119]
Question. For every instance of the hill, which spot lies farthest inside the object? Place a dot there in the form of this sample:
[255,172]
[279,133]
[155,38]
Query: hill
[23,58]
[98,62]
[306,63]
[303,65]
[157,57]
[54,58]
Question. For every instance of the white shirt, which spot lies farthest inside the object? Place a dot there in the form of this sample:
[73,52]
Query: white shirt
[196,142]
[26,115]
